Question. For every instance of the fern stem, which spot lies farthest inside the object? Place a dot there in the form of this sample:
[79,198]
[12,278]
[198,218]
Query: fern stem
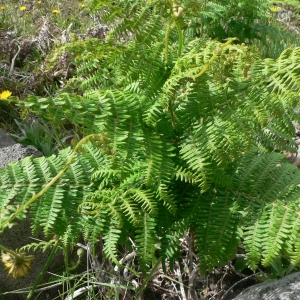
[180,40]
[167,38]
[43,270]
[177,13]
[4,249]
[47,187]
[203,7]
[171,113]
[147,279]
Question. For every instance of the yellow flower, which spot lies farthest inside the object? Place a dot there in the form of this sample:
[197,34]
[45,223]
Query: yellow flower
[274,8]
[82,5]
[39,2]
[17,264]
[55,11]
[5,94]
[2,7]
[22,8]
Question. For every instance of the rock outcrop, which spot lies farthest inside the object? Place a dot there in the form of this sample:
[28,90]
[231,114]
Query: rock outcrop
[11,151]
[287,288]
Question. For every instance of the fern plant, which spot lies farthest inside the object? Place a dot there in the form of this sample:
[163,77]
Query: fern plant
[184,133]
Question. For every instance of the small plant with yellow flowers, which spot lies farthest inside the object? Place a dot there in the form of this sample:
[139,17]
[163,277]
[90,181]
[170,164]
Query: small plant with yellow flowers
[16,263]
[274,9]
[5,95]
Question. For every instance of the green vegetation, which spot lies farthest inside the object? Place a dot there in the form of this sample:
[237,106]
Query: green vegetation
[176,118]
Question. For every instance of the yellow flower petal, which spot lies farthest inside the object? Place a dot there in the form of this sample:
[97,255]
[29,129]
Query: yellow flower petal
[17,264]
[5,94]
[274,8]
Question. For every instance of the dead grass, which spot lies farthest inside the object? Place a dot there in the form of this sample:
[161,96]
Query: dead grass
[29,32]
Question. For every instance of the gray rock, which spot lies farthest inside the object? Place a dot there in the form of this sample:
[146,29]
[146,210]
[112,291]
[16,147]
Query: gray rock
[10,151]
[5,140]
[287,288]
[15,153]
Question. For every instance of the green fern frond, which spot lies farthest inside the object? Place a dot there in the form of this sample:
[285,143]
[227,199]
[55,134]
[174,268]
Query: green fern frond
[218,215]
[285,74]
[111,237]
[270,234]
[252,241]
[130,210]
[147,200]
[42,245]
[50,208]
[52,211]
[198,162]
[160,166]
[146,239]
[217,237]
[185,175]
[170,232]
[277,228]
[167,196]
[154,114]
[105,176]
[106,199]
[295,254]
[270,206]
[93,227]
[66,108]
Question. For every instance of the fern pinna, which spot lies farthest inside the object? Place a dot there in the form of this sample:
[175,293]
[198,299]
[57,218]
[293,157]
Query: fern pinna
[187,135]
